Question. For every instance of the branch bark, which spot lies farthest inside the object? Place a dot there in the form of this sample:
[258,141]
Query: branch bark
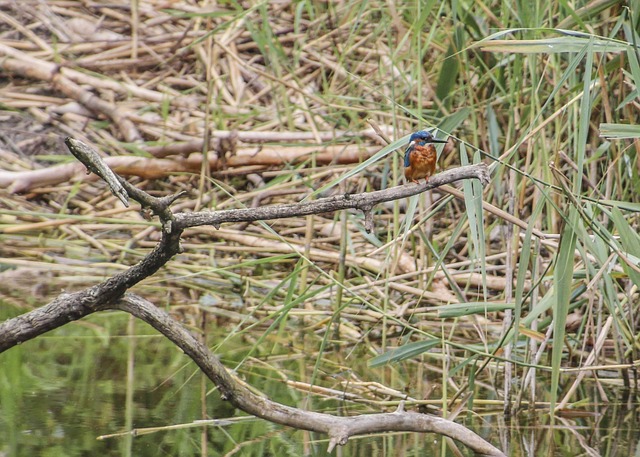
[69,307]
[364,201]
[110,294]
[339,429]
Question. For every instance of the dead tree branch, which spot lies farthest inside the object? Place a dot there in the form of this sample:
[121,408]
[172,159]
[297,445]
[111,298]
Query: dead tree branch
[339,429]
[111,294]
[364,202]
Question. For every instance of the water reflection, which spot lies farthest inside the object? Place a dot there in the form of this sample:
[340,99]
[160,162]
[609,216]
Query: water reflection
[60,392]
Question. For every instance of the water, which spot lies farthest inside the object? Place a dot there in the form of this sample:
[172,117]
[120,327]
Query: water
[65,389]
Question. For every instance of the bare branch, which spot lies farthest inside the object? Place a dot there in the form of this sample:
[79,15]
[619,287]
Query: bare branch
[73,306]
[363,202]
[94,163]
[339,429]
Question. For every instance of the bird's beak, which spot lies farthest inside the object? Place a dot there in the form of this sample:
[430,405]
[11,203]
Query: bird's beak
[438,141]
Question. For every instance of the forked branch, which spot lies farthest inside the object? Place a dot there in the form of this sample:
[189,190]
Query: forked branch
[111,294]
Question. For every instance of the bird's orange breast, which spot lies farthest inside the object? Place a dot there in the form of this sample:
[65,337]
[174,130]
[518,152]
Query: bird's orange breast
[422,162]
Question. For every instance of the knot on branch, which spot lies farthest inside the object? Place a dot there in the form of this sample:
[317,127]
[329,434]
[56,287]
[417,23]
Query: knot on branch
[338,436]
[367,210]
[484,175]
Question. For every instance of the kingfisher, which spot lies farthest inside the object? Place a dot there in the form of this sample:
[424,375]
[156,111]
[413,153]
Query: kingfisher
[421,156]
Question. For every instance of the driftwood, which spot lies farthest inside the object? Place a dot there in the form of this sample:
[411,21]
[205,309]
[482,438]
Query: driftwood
[153,168]
[112,294]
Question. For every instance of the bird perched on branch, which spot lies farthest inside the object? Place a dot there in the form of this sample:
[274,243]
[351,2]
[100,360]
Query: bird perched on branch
[420,157]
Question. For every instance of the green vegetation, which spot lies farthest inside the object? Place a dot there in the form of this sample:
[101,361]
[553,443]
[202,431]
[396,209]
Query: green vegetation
[499,300]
